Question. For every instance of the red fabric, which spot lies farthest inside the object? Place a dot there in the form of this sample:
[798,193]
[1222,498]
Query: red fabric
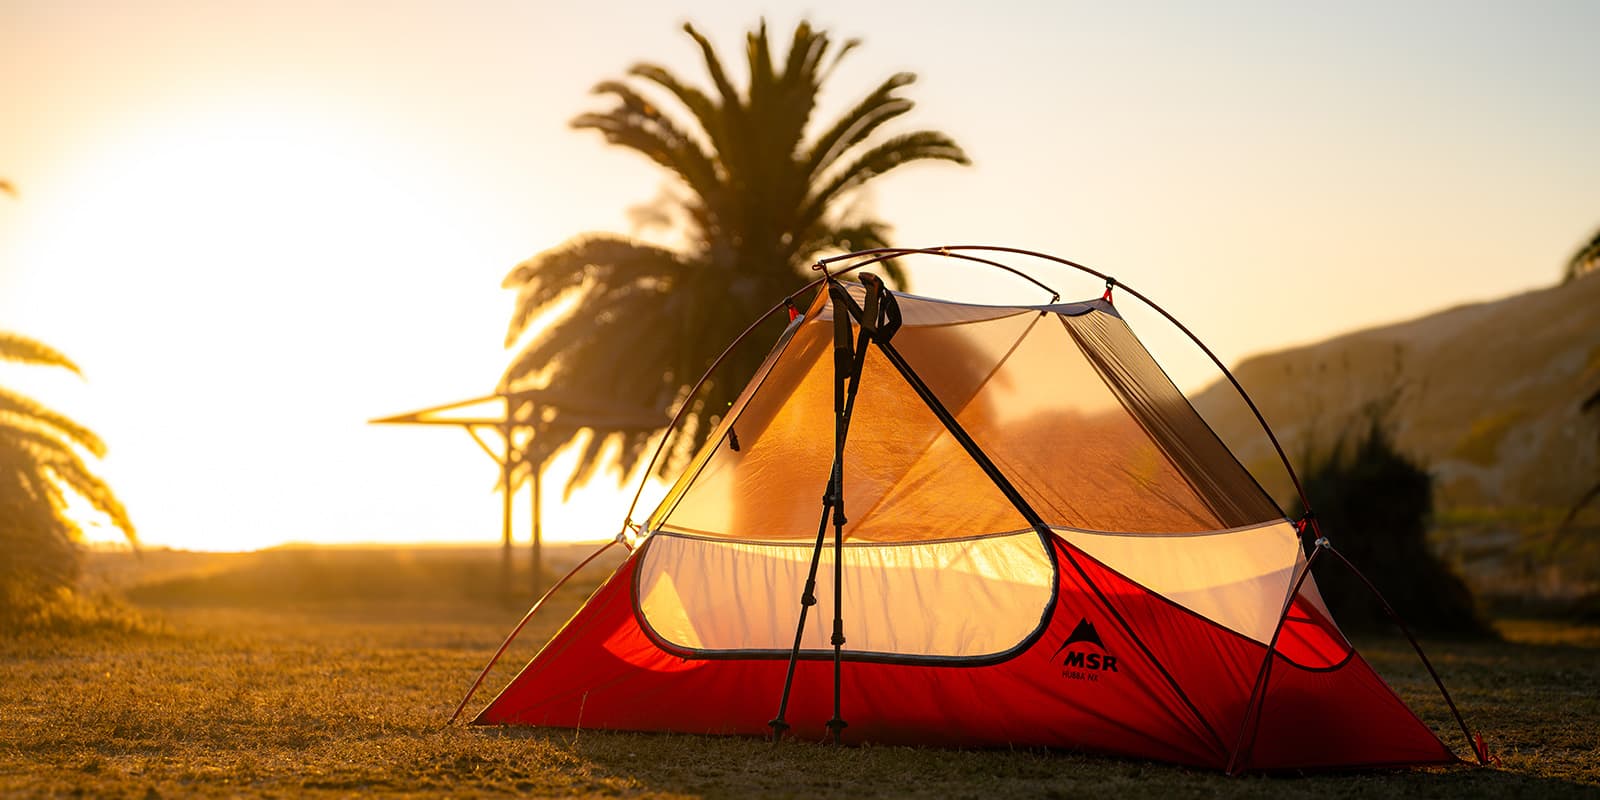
[1367,725]
[604,671]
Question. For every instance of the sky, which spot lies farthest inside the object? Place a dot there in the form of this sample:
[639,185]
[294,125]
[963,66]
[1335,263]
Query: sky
[256,225]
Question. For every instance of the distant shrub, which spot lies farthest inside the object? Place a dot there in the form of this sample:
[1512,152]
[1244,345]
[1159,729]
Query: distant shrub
[1374,504]
[70,611]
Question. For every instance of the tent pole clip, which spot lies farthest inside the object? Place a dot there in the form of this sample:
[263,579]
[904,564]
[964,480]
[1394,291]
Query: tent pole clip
[1111,283]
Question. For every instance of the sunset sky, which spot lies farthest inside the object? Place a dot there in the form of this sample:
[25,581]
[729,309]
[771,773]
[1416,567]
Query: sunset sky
[257,225]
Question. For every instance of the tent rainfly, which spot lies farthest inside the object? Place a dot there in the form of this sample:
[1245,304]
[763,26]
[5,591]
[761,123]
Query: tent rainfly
[1026,536]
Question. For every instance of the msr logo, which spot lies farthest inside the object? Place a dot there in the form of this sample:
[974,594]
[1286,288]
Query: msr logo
[1086,657]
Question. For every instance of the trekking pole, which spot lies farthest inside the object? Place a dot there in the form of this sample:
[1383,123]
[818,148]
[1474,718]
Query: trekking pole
[848,361]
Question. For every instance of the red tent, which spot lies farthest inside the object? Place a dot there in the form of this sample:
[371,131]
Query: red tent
[1036,541]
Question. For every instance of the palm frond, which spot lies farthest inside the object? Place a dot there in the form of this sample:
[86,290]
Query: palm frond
[719,77]
[28,351]
[860,234]
[91,487]
[896,152]
[761,200]
[1586,259]
[731,136]
[705,112]
[858,124]
[39,466]
[48,458]
[27,411]
[638,125]
[592,263]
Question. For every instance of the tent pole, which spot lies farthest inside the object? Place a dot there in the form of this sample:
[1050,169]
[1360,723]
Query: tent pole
[1478,750]
[520,625]
[950,424]
[1258,693]
[953,426]
[694,391]
[808,598]
[875,255]
[847,361]
[843,357]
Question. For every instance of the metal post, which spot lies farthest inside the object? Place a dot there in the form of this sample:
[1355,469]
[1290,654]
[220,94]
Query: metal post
[538,534]
[505,509]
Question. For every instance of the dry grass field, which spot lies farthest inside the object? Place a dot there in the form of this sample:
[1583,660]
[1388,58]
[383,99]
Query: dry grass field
[300,673]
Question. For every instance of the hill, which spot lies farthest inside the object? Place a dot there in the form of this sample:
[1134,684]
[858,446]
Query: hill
[1487,395]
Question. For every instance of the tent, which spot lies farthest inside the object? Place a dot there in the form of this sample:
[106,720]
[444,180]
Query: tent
[940,523]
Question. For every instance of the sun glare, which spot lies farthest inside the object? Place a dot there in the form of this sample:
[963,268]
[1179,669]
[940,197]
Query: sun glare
[244,286]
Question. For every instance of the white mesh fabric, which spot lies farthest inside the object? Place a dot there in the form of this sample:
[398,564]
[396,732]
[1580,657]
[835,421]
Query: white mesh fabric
[1069,407]
[964,598]
[1238,579]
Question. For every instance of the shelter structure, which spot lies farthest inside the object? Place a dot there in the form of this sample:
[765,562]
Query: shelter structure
[935,522]
[510,426]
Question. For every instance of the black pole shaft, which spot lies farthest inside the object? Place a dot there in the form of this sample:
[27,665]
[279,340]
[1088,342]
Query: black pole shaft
[847,362]
[953,427]
[836,725]
[876,255]
[808,598]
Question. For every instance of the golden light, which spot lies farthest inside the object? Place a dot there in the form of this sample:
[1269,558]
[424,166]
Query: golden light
[244,285]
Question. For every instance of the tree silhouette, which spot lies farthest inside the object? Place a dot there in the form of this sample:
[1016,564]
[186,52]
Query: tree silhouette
[39,465]
[1585,260]
[1375,502]
[1591,404]
[754,202]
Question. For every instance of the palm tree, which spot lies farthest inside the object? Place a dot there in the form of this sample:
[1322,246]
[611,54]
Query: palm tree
[39,465]
[1586,260]
[756,203]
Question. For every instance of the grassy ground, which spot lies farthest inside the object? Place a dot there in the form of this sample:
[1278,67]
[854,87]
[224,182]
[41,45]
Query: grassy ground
[331,673]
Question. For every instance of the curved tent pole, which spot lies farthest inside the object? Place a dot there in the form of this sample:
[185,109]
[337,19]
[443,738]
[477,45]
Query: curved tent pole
[1253,709]
[876,255]
[788,301]
[880,254]
[952,250]
[1479,750]
[1258,699]
[520,625]
[885,253]
[684,407]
